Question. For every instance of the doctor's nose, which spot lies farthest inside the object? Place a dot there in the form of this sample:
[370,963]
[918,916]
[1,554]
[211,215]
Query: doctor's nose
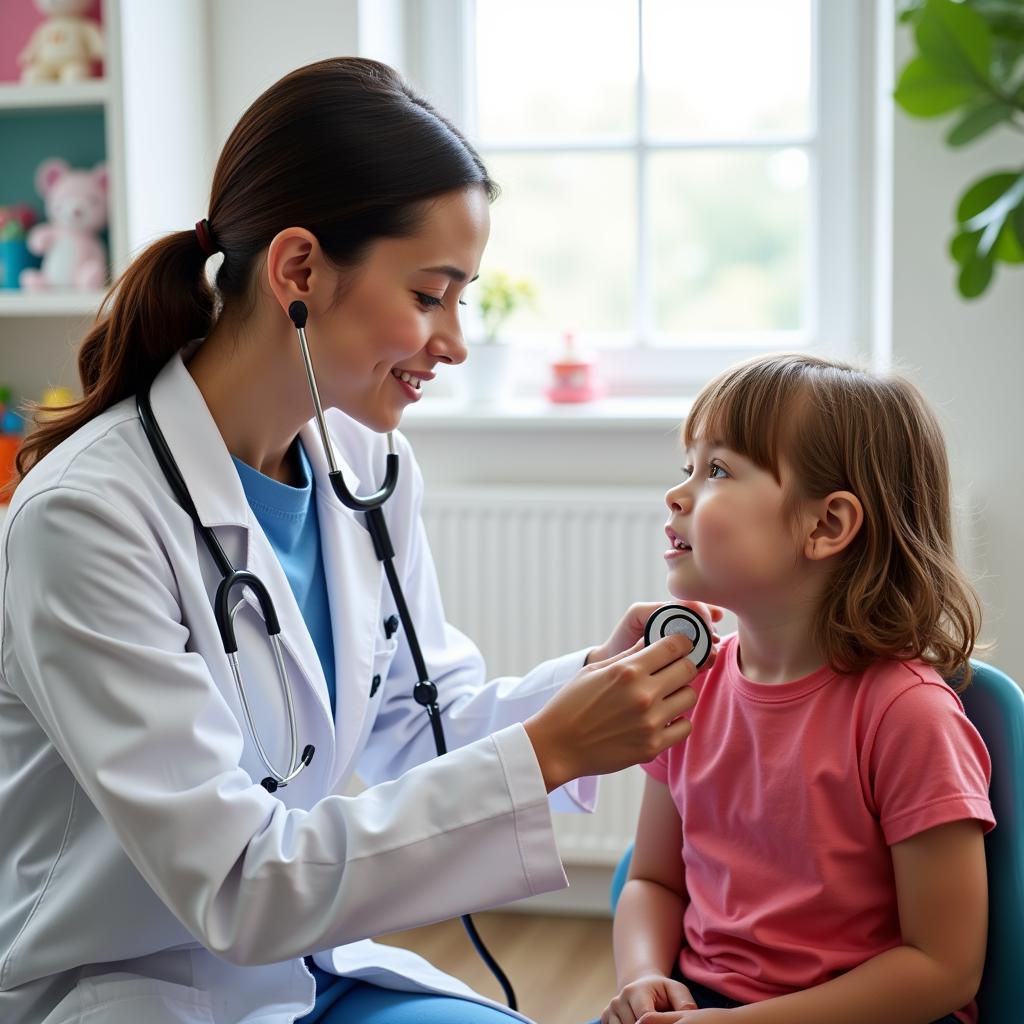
[448,346]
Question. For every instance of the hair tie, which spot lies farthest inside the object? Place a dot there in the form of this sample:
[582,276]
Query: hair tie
[205,236]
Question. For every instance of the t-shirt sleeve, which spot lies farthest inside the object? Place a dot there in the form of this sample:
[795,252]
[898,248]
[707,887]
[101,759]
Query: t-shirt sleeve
[658,768]
[928,765]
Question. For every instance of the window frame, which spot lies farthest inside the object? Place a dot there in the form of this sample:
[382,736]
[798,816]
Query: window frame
[440,60]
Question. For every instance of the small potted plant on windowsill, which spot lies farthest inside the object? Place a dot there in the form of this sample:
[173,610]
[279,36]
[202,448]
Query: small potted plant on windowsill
[486,373]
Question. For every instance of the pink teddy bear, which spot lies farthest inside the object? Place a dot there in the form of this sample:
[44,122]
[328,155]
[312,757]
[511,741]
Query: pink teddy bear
[76,208]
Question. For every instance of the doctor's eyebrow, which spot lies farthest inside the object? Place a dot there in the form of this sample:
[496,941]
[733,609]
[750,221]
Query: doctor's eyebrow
[453,272]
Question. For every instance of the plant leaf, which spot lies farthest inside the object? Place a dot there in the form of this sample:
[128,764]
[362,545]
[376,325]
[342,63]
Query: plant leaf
[979,120]
[955,38]
[1000,209]
[927,91]
[975,276]
[1017,220]
[1008,247]
[983,193]
[964,245]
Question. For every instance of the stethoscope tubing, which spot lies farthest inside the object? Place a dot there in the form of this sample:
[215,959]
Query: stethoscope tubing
[424,692]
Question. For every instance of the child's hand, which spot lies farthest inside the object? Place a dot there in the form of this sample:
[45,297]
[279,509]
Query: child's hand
[711,1016]
[650,992]
[631,628]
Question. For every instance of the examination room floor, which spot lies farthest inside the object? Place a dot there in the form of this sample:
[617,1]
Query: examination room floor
[560,967]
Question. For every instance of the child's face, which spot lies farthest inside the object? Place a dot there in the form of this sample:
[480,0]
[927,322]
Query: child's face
[742,547]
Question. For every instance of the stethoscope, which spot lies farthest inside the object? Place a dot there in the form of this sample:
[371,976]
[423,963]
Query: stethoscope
[673,619]
[424,692]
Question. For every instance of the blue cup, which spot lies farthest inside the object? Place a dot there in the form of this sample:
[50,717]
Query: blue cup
[14,258]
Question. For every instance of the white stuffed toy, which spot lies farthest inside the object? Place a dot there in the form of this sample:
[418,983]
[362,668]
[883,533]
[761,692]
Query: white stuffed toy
[76,210]
[64,47]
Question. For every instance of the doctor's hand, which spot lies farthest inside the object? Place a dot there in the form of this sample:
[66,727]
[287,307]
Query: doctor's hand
[615,713]
[651,992]
[631,626]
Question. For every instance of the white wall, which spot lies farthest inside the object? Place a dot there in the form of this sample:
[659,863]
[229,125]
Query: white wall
[255,42]
[968,357]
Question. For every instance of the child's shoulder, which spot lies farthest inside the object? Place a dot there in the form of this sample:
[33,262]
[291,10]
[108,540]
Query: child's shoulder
[886,681]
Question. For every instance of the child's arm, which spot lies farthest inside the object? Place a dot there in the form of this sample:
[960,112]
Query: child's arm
[648,930]
[942,890]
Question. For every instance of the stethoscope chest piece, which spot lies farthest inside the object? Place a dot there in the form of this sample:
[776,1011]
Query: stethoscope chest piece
[674,618]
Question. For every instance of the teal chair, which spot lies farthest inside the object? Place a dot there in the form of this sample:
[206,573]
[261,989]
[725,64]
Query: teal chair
[995,704]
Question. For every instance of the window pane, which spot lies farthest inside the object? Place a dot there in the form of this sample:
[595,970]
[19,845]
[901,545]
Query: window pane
[549,69]
[729,234]
[728,69]
[569,224]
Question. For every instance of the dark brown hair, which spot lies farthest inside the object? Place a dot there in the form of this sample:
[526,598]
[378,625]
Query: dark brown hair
[342,147]
[897,591]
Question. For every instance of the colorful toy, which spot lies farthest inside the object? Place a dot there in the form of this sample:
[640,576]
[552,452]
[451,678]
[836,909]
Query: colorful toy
[65,46]
[11,430]
[76,210]
[573,378]
[14,255]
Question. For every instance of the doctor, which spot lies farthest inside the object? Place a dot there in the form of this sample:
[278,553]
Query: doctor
[145,874]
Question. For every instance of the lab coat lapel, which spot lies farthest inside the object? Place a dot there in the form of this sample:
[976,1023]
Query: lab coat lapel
[354,580]
[216,490]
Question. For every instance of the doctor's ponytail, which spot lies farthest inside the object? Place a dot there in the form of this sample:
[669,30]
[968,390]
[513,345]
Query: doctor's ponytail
[159,303]
[342,147]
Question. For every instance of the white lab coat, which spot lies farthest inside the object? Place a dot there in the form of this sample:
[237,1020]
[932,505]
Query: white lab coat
[145,876]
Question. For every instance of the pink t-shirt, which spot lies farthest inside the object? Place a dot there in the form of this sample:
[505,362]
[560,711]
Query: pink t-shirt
[790,796]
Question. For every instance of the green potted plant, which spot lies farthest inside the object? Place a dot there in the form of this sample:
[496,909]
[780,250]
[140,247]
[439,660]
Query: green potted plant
[499,296]
[969,62]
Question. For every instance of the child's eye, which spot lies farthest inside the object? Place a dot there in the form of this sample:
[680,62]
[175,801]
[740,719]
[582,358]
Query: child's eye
[716,469]
[687,471]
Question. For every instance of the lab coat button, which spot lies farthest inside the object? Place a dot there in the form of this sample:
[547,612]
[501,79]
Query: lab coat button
[374,685]
[390,626]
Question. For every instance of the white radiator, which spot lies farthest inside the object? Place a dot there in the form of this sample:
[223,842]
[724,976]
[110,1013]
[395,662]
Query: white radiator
[533,573]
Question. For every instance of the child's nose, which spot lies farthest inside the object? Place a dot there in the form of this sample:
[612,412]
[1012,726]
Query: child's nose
[678,500]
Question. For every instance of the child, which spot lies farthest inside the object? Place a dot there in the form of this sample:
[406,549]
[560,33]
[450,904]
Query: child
[832,795]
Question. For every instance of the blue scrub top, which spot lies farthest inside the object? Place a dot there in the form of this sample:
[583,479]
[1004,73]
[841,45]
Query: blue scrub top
[289,519]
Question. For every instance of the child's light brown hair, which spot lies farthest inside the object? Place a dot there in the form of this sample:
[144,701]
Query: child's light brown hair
[897,591]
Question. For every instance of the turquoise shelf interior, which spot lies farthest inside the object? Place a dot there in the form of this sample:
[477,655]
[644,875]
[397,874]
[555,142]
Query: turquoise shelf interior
[29,137]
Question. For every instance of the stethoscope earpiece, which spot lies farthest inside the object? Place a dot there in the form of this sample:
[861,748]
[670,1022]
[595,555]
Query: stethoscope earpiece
[298,314]
[674,618]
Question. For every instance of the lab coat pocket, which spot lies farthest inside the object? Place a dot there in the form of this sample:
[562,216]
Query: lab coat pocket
[383,655]
[123,998]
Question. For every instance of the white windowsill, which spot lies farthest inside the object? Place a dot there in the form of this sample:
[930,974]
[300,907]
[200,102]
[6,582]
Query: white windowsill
[537,414]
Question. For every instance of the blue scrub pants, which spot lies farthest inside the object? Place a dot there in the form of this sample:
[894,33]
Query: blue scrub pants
[345,1001]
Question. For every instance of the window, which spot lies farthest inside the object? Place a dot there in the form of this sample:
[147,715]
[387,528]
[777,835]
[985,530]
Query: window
[680,177]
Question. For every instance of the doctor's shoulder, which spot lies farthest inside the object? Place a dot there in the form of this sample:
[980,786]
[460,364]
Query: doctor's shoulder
[104,465]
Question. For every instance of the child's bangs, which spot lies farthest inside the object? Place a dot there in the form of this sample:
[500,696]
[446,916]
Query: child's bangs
[742,409]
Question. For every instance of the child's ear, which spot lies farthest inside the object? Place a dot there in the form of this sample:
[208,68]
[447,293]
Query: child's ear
[839,519]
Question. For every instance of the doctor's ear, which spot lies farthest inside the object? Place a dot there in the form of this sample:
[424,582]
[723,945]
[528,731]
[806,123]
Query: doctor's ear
[296,268]
[837,519]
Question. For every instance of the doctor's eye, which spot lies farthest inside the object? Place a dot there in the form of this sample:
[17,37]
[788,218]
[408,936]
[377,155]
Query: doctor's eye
[428,301]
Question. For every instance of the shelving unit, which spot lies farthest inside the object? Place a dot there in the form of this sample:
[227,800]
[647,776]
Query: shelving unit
[82,123]
[35,304]
[53,96]
[147,118]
